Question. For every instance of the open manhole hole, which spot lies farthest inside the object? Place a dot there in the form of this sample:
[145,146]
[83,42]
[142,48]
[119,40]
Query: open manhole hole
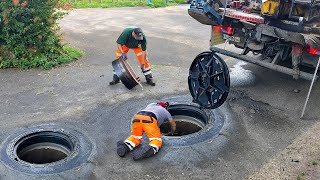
[194,124]
[189,119]
[185,125]
[45,149]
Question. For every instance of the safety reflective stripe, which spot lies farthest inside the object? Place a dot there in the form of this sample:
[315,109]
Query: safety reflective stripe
[139,54]
[155,148]
[118,54]
[159,139]
[147,72]
[137,137]
[132,145]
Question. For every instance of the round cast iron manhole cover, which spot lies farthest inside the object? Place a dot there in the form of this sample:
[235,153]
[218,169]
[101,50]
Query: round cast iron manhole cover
[209,80]
[45,149]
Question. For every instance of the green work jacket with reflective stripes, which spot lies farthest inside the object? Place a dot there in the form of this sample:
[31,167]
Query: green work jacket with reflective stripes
[126,39]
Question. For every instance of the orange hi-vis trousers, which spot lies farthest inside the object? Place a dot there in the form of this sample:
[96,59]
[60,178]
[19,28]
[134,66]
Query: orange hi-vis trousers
[138,52]
[147,124]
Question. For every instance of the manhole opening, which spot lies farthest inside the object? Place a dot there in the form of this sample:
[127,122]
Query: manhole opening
[44,147]
[189,119]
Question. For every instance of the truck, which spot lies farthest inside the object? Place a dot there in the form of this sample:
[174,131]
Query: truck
[282,35]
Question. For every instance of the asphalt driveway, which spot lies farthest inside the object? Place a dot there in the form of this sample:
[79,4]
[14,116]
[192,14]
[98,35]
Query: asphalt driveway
[261,115]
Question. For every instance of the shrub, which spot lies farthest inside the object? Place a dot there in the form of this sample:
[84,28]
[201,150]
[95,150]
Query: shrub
[29,32]
[68,55]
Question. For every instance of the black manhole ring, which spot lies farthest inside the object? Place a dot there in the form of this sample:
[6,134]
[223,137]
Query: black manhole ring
[189,119]
[77,143]
[211,122]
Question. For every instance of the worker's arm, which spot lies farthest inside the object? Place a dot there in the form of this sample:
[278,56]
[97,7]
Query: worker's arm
[122,40]
[123,54]
[119,46]
[173,126]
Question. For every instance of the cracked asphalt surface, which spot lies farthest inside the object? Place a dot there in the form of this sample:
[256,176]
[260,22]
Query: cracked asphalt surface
[261,113]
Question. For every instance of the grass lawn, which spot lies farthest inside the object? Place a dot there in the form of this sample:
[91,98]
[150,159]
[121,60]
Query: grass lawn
[120,3]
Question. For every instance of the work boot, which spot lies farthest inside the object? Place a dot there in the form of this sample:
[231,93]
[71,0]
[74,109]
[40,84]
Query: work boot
[122,148]
[149,80]
[144,152]
[115,80]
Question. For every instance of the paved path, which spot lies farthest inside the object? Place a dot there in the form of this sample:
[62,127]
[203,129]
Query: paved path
[262,107]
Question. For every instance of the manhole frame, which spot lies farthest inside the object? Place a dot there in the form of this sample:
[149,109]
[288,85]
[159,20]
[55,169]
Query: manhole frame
[212,129]
[15,155]
[196,111]
[80,154]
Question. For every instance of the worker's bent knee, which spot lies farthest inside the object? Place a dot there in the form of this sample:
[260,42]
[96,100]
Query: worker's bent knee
[134,142]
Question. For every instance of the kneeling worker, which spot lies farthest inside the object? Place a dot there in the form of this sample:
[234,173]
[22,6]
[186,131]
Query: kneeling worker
[147,120]
[133,38]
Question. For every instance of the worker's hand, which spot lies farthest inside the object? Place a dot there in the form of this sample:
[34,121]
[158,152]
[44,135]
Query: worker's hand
[173,126]
[173,129]
[123,56]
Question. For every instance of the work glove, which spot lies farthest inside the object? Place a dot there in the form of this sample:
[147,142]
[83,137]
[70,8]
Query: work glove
[123,56]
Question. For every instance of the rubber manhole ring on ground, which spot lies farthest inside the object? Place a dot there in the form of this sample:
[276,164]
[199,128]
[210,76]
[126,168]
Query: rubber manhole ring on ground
[61,139]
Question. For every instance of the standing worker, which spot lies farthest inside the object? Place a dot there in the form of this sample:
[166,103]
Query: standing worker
[133,38]
[147,120]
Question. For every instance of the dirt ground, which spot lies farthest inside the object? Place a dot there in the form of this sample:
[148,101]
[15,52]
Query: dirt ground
[300,160]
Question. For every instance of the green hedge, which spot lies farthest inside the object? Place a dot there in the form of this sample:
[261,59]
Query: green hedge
[69,55]
[29,35]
